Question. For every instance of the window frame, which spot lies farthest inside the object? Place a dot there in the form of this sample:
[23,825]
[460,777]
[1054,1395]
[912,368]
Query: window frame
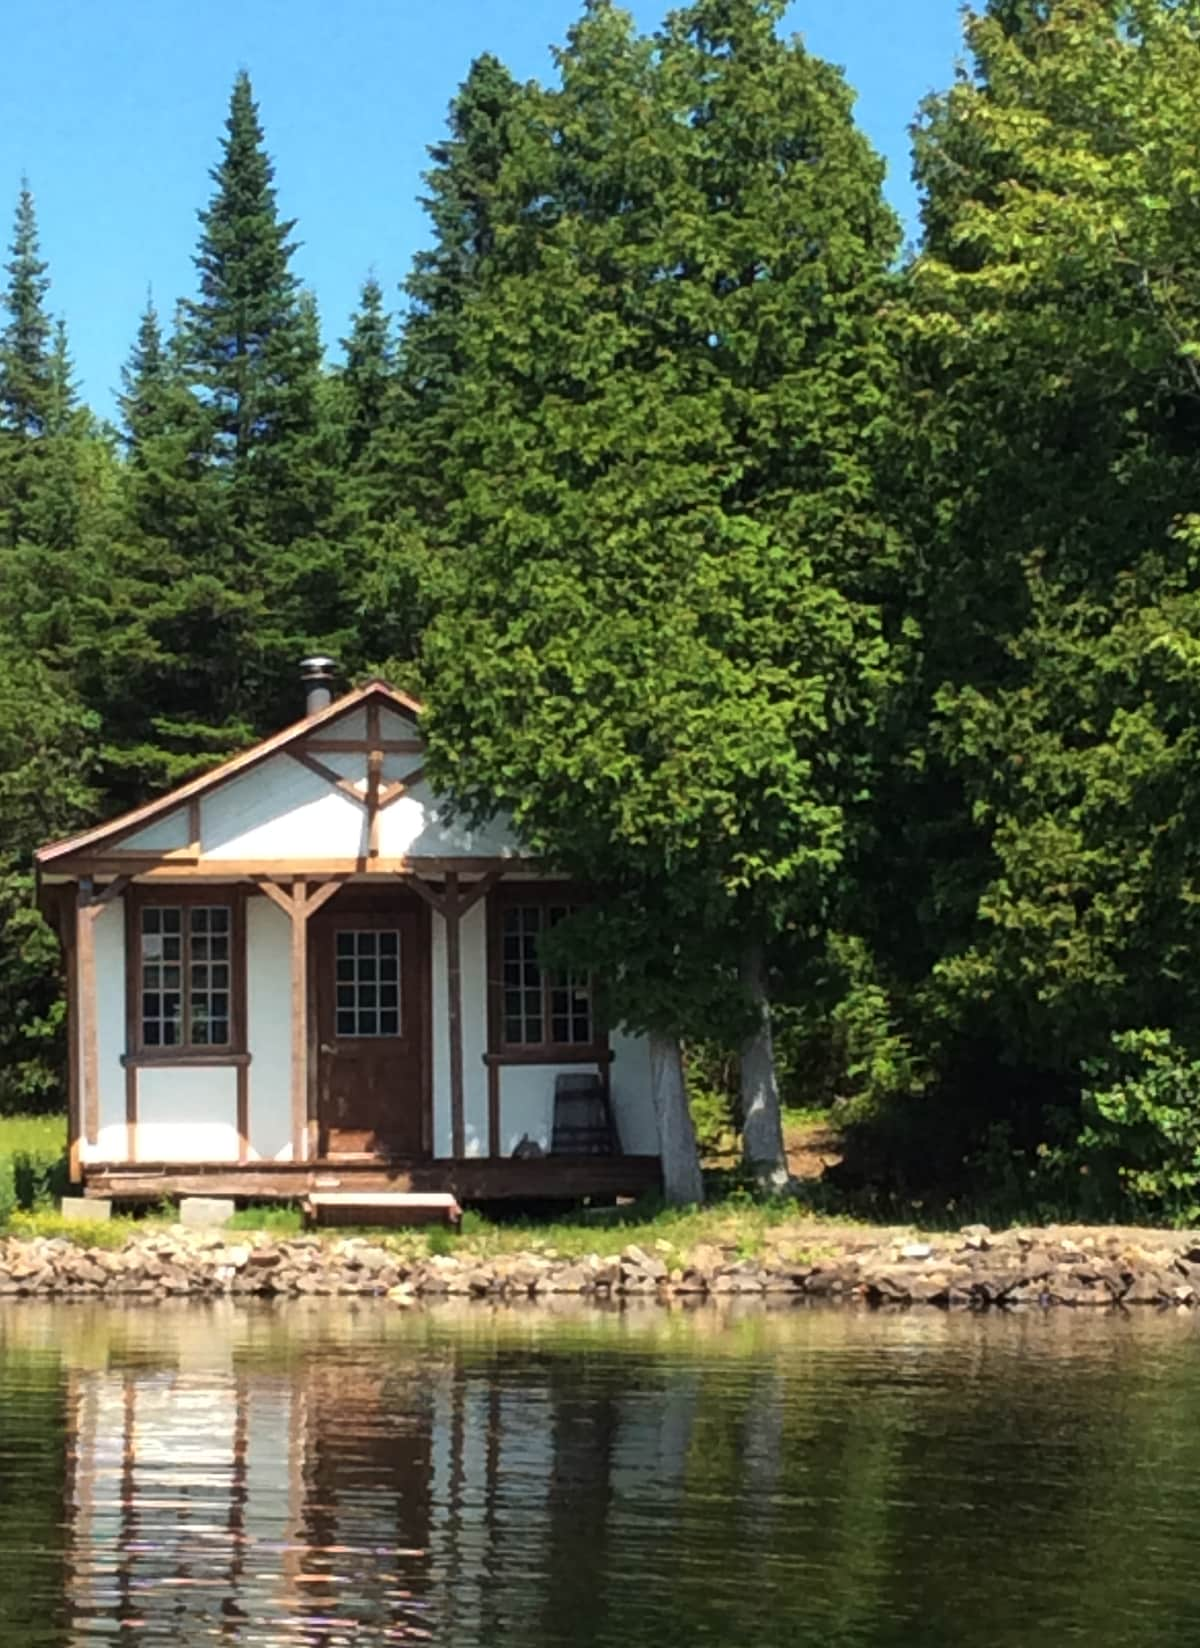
[172,895]
[544,895]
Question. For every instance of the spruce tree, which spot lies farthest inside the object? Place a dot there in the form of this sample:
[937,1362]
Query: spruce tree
[368,375]
[26,373]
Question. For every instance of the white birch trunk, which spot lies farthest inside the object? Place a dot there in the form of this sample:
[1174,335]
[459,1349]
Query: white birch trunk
[682,1184]
[762,1125]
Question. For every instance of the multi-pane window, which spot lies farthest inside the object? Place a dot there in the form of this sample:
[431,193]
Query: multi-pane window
[542,1006]
[368,982]
[185,962]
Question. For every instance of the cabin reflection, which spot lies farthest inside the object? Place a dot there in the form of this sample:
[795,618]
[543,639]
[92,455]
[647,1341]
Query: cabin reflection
[393,1494]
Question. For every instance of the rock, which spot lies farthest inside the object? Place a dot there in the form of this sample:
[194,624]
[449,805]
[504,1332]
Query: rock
[205,1212]
[977,1238]
[916,1250]
[1148,1287]
[85,1210]
[635,1261]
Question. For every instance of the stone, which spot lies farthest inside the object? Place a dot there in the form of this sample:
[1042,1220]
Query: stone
[85,1210]
[916,1250]
[976,1237]
[205,1212]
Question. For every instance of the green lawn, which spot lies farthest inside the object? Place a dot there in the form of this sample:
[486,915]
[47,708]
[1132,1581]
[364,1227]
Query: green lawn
[33,1135]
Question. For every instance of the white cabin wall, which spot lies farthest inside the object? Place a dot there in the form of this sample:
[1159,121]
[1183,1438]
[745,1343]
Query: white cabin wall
[281,810]
[632,1094]
[269,1029]
[416,825]
[473,954]
[161,836]
[187,1114]
[109,929]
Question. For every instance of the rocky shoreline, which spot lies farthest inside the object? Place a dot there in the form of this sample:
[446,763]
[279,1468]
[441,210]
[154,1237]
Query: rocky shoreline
[973,1270]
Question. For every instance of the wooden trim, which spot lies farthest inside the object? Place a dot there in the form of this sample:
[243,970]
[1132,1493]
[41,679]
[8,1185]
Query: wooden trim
[482,889]
[515,1057]
[66,914]
[473,1179]
[115,889]
[425,892]
[299,1082]
[85,938]
[362,746]
[194,829]
[233,768]
[493,1104]
[140,895]
[186,1058]
[502,897]
[321,896]
[337,779]
[157,867]
[278,897]
[374,776]
[132,1013]
[454,1012]
[401,787]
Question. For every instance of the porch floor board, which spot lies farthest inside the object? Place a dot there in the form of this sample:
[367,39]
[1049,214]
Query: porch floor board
[480,1180]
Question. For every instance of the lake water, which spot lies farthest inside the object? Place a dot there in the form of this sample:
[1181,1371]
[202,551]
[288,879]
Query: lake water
[326,1474]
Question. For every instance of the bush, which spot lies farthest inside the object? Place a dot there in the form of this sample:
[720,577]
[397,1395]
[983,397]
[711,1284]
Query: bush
[1140,1142]
[33,1163]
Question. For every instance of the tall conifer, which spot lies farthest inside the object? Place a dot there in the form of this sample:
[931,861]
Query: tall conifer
[26,387]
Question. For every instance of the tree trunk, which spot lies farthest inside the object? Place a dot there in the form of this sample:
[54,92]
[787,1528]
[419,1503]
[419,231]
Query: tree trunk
[682,1184]
[762,1127]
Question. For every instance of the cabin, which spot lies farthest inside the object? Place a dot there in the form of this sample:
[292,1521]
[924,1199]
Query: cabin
[301,974]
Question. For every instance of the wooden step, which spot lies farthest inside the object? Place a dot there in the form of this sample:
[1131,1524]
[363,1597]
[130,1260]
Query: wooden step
[381,1207]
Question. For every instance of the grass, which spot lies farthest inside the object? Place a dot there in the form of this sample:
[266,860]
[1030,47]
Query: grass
[35,1135]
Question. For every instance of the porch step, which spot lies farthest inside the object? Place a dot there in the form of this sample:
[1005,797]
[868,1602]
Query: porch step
[381,1207]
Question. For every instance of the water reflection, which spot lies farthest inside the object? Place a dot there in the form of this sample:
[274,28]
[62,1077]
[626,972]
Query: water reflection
[337,1474]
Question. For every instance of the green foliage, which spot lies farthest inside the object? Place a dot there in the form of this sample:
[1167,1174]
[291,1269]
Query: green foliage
[660,530]
[33,1163]
[1141,1137]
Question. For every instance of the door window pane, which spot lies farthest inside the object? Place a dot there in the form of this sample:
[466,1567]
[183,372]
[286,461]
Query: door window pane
[367,1006]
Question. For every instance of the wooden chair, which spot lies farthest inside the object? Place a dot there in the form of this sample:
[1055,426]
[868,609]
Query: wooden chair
[583,1118]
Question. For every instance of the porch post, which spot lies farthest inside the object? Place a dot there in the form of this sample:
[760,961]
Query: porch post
[453,919]
[85,998]
[299,917]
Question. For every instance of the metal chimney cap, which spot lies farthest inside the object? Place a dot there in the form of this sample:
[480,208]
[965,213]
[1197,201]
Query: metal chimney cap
[313,668]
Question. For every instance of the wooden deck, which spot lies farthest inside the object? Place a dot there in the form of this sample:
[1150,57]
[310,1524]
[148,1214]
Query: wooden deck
[546,1178]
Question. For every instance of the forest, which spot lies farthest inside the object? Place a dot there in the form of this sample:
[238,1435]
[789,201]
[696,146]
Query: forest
[833,603]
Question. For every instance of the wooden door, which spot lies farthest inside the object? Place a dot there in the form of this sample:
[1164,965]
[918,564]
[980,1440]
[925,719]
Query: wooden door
[371,955]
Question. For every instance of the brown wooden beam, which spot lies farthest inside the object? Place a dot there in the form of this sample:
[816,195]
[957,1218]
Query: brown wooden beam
[67,919]
[481,889]
[474,1179]
[329,774]
[193,813]
[85,940]
[400,787]
[362,746]
[322,895]
[299,1022]
[160,867]
[374,778]
[454,999]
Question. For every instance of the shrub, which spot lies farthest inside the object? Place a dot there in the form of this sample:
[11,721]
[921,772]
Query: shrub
[1140,1141]
[33,1163]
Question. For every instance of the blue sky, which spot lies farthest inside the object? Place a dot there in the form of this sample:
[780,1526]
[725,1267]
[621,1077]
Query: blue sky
[115,111]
